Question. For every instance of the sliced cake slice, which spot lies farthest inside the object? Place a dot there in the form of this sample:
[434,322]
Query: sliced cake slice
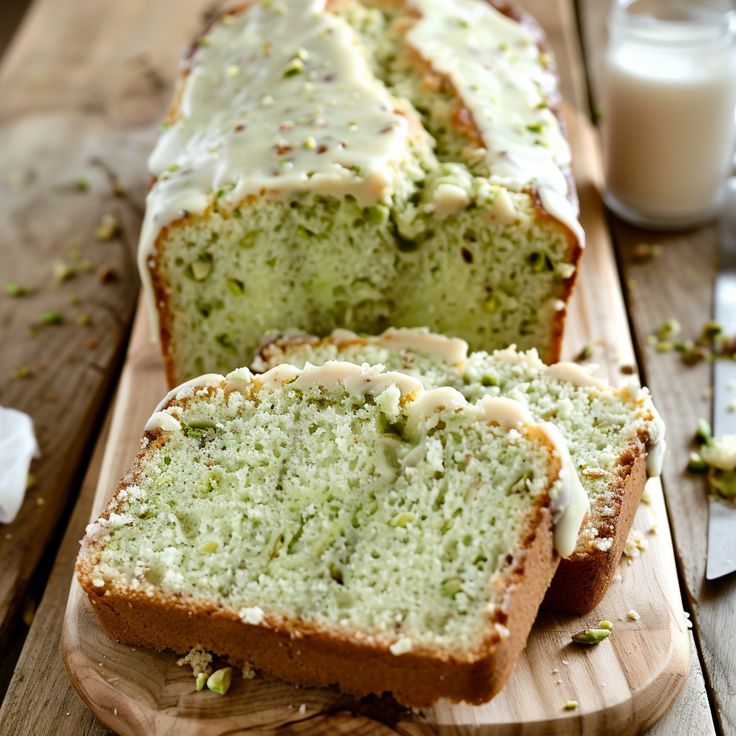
[337,525]
[615,436]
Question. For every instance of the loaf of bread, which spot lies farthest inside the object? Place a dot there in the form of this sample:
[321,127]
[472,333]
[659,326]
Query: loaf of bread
[360,164]
[337,525]
[615,436]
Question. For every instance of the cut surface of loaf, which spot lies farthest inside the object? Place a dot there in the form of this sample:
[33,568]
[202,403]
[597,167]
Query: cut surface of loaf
[615,436]
[337,525]
[354,163]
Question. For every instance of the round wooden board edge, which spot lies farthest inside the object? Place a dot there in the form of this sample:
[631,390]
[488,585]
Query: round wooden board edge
[132,712]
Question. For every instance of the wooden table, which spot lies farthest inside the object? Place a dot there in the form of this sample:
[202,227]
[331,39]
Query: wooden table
[82,86]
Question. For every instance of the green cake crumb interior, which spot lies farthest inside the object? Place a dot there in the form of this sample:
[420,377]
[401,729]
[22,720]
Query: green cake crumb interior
[331,508]
[492,272]
[600,425]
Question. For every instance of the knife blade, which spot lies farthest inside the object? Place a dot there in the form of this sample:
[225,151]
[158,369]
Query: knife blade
[722,514]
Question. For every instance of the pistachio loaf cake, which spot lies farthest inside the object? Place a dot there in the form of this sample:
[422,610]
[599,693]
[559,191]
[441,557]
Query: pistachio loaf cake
[615,436]
[360,164]
[337,525]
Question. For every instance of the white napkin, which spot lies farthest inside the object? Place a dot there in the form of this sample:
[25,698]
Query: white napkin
[18,446]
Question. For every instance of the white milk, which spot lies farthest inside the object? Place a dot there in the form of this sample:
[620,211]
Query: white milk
[669,112]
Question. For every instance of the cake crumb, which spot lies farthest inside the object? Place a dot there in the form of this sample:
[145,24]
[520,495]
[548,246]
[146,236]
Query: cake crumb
[633,615]
[249,672]
[635,545]
[108,229]
[252,615]
[198,659]
[302,709]
[401,646]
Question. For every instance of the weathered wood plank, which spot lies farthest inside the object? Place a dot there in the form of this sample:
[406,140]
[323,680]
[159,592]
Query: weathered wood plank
[11,14]
[40,701]
[678,283]
[81,92]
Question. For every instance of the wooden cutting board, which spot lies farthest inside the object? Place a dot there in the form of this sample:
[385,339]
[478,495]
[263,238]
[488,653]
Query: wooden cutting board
[621,686]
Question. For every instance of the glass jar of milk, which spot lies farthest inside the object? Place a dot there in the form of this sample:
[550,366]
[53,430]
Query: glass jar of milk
[669,109]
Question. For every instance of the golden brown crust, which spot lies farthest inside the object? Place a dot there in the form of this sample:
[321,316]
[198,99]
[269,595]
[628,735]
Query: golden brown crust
[583,579]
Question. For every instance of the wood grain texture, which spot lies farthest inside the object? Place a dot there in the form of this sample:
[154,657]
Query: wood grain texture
[621,687]
[74,105]
[39,700]
[677,284]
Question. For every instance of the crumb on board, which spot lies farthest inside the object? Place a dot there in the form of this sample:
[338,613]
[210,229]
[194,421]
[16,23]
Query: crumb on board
[108,229]
[198,659]
[633,615]
[636,543]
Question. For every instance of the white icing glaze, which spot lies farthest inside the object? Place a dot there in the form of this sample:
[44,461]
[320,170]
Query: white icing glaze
[451,350]
[353,378]
[184,389]
[571,504]
[657,446]
[494,63]
[240,378]
[560,207]
[278,376]
[507,413]
[279,98]
[574,374]
[164,421]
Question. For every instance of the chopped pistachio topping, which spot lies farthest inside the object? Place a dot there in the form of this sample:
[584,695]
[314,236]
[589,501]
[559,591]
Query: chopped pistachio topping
[219,681]
[108,229]
[669,328]
[703,432]
[63,271]
[52,318]
[236,287]
[82,184]
[711,331]
[23,372]
[201,268]
[586,353]
[605,624]
[201,681]
[14,289]
[696,464]
[570,705]
[295,66]
[590,637]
